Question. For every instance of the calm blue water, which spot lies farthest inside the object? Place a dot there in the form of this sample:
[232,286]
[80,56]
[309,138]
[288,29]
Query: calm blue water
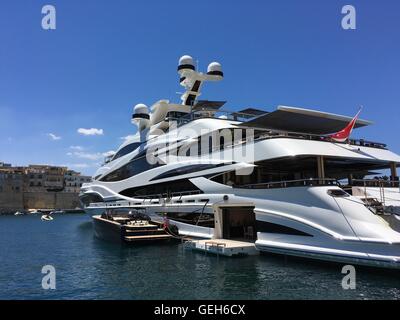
[88,268]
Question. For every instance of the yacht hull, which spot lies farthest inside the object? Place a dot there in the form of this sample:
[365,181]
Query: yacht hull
[311,222]
[330,255]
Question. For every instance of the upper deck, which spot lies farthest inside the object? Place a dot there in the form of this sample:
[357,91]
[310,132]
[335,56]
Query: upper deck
[264,128]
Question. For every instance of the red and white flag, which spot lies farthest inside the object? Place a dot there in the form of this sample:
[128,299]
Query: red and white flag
[344,134]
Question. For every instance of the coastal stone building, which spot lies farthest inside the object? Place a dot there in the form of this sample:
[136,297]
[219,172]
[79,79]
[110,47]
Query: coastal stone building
[44,178]
[74,181]
[39,187]
[11,188]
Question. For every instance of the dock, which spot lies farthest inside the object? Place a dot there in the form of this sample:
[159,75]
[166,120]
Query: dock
[224,247]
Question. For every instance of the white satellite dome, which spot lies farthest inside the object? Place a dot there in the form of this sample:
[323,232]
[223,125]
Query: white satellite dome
[140,108]
[215,68]
[186,62]
[141,116]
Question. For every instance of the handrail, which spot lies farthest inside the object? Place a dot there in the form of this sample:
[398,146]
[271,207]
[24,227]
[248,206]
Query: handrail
[375,183]
[377,180]
[150,197]
[171,194]
[291,183]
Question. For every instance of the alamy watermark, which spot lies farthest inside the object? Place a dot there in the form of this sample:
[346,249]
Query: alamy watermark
[349,20]
[227,146]
[349,280]
[49,280]
[49,18]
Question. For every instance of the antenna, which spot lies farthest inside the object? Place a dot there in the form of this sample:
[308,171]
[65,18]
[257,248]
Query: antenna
[192,80]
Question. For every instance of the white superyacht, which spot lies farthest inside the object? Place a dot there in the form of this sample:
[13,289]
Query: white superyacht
[291,180]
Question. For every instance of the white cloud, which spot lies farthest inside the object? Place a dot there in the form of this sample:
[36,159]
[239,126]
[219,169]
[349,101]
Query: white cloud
[129,137]
[89,156]
[53,136]
[77,148]
[90,132]
[85,155]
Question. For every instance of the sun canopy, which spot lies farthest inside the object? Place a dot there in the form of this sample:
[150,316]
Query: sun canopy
[293,119]
[206,105]
[252,112]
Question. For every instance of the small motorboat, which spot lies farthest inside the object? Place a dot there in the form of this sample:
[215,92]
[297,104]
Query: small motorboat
[18,213]
[35,211]
[46,217]
[124,225]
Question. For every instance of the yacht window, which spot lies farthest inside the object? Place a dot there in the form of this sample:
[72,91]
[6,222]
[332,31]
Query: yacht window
[164,189]
[132,168]
[338,193]
[263,226]
[221,142]
[199,147]
[186,170]
[172,115]
[127,149]
[89,198]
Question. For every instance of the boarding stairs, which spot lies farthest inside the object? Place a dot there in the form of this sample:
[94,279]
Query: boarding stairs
[143,231]
[380,196]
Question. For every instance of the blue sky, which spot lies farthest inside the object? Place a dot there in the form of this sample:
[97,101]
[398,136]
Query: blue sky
[106,56]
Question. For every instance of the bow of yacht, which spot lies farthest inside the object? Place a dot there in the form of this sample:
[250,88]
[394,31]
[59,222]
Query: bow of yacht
[280,179]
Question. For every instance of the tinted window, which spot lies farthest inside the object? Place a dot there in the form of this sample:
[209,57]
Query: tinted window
[175,115]
[134,167]
[90,198]
[338,193]
[162,189]
[263,226]
[186,170]
[127,149]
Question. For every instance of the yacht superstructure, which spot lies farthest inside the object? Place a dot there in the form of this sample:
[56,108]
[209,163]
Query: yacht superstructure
[275,178]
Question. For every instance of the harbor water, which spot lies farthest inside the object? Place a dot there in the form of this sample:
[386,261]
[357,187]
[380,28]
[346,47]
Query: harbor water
[89,268]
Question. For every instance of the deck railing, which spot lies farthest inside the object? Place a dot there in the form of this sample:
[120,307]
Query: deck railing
[168,194]
[291,183]
[378,183]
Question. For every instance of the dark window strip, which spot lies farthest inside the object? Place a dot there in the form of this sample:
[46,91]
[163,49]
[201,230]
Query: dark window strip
[186,170]
[268,227]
